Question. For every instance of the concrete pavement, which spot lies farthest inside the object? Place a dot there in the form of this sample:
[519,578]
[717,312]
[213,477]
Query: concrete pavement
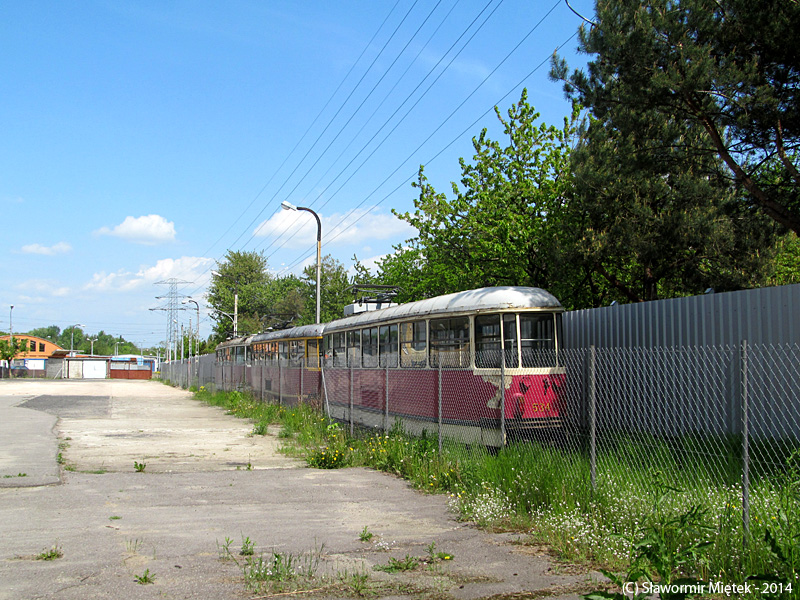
[206,480]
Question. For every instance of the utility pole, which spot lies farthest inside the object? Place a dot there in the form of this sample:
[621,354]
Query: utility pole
[171,309]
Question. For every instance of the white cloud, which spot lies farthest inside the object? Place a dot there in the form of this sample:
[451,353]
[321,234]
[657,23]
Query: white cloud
[148,230]
[43,287]
[295,229]
[59,248]
[190,269]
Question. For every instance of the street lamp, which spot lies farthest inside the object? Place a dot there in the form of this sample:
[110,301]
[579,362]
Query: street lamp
[197,342]
[235,301]
[72,338]
[289,206]
[197,306]
[10,325]
[92,342]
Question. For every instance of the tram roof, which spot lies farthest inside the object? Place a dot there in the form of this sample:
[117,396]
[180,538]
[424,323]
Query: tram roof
[481,300]
[304,331]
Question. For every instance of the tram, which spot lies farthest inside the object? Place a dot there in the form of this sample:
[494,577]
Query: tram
[480,366]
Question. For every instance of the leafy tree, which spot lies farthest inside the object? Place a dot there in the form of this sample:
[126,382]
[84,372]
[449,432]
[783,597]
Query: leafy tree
[506,224]
[334,284]
[727,69]
[286,299]
[662,222]
[71,337]
[50,333]
[9,348]
[243,273]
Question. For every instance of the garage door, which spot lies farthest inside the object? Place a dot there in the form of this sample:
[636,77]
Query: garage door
[94,369]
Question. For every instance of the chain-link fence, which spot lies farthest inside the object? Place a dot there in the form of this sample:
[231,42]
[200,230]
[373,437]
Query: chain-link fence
[698,416]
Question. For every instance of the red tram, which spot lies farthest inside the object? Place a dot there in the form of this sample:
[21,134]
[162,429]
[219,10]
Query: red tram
[479,366]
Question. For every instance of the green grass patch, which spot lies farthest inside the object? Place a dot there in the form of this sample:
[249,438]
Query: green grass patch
[686,490]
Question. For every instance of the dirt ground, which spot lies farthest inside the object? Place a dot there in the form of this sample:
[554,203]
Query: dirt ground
[68,481]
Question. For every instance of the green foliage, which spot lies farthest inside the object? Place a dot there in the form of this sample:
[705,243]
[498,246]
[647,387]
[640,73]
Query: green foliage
[699,99]
[145,578]
[334,282]
[9,348]
[396,565]
[505,221]
[366,535]
[51,553]
[248,547]
[139,467]
[244,274]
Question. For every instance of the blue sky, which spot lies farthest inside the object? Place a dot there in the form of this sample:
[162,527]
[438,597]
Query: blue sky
[142,140]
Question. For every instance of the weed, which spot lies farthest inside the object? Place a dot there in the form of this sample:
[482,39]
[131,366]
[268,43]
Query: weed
[132,546]
[139,467]
[50,554]
[248,547]
[145,578]
[327,458]
[395,565]
[357,583]
[224,550]
[277,571]
[17,475]
[114,518]
[366,535]
[434,556]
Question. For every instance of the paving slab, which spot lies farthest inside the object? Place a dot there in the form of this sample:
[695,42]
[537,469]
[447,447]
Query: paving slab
[209,484]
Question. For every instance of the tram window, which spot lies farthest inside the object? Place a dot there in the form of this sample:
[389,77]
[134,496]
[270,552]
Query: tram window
[510,340]
[272,353]
[388,346]
[295,352]
[339,350]
[450,342]
[413,344]
[487,341]
[239,355]
[353,348]
[537,340]
[283,352]
[312,354]
[369,347]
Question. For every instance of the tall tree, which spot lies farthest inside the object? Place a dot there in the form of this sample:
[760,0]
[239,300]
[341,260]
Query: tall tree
[9,348]
[506,222]
[334,284]
[239,287]
[50,333]
[729,69]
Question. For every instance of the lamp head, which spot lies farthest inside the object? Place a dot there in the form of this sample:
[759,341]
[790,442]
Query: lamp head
[285,205]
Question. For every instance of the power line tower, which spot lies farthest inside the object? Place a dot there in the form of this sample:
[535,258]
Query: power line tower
[171,309]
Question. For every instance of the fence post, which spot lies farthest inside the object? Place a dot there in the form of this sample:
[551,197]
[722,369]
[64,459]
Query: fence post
[439,408]
[745,449]
[302,371]
[351,399]
[325,391]
[261,380]
[502,396]
[386,401]
[280,381]
[592,418]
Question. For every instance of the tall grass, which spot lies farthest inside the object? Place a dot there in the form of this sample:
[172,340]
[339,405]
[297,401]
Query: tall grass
[545,491]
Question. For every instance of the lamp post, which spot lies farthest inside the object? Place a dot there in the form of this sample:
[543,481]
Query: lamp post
[235,302]
[92,342]
[10,325]
[197,306]
[72,338]
[289,206]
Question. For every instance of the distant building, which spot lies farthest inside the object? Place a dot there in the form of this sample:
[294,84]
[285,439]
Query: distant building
[34,356]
